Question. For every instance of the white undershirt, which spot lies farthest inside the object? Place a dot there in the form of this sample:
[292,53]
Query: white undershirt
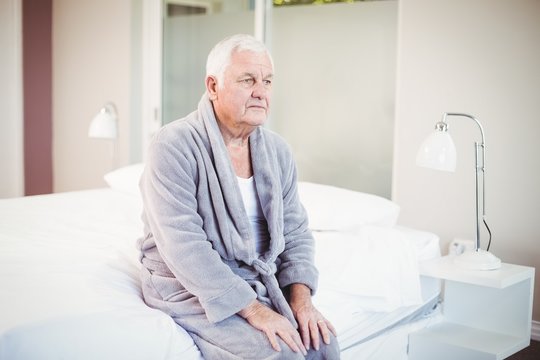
[252,204]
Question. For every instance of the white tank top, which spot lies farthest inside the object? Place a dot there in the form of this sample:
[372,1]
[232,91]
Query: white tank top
[259,226]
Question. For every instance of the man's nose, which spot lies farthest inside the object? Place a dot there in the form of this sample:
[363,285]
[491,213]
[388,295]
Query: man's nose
[260,90]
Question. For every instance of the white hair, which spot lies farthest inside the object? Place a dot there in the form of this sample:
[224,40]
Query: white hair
[219,57]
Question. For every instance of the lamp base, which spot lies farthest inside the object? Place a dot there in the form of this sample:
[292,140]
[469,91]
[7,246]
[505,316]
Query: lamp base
[478,260]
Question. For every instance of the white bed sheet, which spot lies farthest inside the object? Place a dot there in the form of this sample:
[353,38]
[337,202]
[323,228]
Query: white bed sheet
[354,316]
[70,282]
[70,285]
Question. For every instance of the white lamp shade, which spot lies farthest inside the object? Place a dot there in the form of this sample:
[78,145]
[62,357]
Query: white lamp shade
[437,152]
[104,125]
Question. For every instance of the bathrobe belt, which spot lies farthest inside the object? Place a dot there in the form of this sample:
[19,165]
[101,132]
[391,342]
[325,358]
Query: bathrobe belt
[268,278]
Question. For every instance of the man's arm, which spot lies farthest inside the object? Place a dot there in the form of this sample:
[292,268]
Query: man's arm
[168,187]
[311,322]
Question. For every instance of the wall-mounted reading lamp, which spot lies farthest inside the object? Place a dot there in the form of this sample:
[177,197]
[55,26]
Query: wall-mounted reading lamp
[105,126]
[439,152]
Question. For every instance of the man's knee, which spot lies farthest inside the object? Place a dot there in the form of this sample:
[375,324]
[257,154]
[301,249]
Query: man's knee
[326,351]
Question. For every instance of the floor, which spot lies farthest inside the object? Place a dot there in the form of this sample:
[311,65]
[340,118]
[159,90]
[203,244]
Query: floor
[529,353]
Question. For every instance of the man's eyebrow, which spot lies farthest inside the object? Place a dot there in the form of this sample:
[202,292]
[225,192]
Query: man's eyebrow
[269,76]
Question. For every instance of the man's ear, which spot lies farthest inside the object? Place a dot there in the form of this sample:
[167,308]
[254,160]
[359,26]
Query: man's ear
[211,87]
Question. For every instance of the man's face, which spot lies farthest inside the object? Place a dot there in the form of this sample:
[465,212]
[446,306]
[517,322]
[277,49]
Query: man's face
[243,100]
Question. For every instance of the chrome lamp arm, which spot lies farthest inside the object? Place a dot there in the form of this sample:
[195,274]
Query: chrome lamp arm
[480,164]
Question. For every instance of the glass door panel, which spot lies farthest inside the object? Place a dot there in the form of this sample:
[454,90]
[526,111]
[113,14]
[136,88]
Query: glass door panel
[190,29]
[334,90]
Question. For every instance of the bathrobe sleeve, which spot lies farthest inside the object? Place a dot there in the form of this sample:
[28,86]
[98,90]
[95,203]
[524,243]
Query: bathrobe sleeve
[171,196]
[298,258]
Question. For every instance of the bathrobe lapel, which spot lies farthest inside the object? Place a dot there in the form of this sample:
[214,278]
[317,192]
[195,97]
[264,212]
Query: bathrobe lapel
[225,191]
[270,192]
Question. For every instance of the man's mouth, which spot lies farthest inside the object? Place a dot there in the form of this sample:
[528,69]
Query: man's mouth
[257,107]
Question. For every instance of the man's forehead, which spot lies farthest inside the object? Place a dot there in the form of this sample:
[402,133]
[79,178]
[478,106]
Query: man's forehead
[251,59]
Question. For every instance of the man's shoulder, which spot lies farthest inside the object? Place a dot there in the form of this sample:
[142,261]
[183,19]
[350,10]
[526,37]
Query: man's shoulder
[179,129]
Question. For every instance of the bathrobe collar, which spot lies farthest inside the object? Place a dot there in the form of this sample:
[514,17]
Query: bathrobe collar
[267,182]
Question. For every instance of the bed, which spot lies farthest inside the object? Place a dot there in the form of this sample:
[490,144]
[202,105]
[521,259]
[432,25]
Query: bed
[69,274]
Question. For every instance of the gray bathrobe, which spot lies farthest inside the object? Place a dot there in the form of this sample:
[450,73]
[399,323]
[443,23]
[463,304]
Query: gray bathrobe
[198,255]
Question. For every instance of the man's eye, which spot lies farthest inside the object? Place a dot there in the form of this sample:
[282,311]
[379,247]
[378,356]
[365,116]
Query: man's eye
[267,82]
[247,81]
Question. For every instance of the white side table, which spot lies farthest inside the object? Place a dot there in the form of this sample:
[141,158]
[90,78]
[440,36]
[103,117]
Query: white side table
[487,314]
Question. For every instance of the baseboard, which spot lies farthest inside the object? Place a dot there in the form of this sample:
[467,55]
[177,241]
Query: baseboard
[535,330]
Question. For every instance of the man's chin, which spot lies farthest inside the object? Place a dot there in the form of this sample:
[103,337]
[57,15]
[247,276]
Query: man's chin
[257,123]
[256,120]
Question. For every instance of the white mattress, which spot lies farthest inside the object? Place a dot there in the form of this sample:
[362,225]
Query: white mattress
[70,286]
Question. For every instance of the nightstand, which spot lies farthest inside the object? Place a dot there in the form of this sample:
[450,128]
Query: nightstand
[487,314]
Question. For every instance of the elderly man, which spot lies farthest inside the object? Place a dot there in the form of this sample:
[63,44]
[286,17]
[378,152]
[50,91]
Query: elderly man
[227,252]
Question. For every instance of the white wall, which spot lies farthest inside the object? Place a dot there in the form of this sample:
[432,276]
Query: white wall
[480,57]
[11,120]
[91,65]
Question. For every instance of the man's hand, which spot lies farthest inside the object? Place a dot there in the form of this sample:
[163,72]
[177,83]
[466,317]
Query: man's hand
[311,322]
[271,323]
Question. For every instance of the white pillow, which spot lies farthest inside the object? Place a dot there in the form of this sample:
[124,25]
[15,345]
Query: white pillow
[337,209]
[125,179]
